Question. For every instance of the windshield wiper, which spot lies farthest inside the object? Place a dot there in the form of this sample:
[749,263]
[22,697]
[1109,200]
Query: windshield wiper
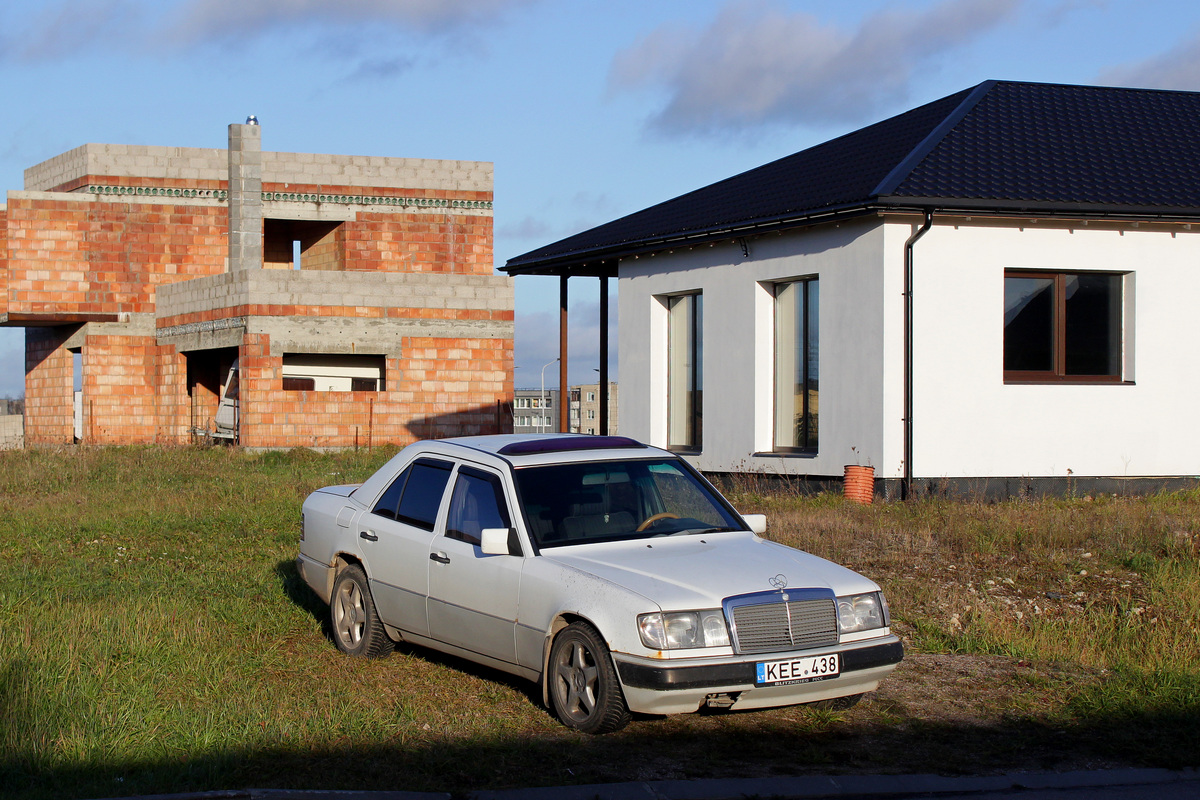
[695,531]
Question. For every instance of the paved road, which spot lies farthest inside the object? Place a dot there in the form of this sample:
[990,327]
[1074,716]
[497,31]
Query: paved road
[1125,784]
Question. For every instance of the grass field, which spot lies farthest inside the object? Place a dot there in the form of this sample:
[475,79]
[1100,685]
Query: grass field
[154,638]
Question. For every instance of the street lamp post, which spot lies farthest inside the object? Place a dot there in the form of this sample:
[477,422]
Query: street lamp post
[542,411]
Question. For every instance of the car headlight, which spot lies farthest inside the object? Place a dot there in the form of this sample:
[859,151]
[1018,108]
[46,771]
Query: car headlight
[861,612]
[681,630]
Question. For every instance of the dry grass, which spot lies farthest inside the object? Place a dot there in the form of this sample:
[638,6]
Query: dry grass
[154,637]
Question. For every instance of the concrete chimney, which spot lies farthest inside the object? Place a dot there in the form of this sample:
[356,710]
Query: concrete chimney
[245,197]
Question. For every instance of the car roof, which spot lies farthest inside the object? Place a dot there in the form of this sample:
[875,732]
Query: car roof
[524,449]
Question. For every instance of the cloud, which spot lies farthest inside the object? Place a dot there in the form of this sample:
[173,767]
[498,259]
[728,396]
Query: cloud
[59,29]
[758,63]
[208,20]
[1177,68]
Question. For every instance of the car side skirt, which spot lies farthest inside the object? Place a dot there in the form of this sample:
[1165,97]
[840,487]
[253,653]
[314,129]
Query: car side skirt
[470,655]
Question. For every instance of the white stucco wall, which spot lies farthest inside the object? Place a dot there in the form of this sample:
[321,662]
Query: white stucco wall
[738,345]
[968,423]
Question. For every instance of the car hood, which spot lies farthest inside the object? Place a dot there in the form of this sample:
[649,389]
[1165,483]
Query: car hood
[699,571]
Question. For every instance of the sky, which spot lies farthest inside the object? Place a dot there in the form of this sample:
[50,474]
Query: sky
[588,110]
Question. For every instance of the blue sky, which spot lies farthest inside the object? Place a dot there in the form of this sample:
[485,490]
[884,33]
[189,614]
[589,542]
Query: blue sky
[589,110]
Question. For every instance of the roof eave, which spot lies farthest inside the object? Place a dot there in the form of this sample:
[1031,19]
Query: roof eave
[1042,208]
[561,263]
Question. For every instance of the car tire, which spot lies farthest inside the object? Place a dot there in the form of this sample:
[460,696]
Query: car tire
[837,703]
[357,629]
[584,690]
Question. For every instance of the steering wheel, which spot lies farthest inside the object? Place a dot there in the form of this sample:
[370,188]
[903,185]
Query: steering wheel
[648,521]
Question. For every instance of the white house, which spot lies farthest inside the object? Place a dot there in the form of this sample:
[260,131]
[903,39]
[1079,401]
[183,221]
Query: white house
[997,290]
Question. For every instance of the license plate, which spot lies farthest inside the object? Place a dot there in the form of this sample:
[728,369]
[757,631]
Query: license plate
[797,670]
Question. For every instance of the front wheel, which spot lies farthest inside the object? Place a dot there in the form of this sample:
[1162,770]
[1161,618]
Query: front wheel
[584,689]
[357,629]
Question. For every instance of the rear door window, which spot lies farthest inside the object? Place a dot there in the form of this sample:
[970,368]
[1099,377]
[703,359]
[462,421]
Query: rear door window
[416,494]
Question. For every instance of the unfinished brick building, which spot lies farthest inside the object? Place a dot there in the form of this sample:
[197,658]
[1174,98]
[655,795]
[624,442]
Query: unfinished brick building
[356,295]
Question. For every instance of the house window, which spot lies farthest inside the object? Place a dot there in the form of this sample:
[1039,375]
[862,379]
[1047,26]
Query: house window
[797,348]
[685,374]
[1062,326]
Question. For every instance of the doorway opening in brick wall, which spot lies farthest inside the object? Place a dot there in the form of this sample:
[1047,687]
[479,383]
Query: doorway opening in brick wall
[303,244]
[207,372]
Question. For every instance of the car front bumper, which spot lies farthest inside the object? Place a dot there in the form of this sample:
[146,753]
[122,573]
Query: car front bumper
[652,687]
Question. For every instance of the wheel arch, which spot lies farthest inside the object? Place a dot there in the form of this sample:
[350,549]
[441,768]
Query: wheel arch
[340,561]
[561,621]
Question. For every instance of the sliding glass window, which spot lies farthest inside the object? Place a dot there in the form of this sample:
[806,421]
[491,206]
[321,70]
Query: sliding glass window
[797,348]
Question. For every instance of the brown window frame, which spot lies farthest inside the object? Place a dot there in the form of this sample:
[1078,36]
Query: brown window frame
[1058,344]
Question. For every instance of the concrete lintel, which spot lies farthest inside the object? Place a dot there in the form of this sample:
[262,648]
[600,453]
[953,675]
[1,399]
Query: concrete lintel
[363,335]
[309,212]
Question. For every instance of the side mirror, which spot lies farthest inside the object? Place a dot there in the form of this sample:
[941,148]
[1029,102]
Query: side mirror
[757,522]
[494,541]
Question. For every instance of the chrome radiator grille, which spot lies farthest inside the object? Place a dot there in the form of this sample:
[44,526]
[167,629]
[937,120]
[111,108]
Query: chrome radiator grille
[761,626]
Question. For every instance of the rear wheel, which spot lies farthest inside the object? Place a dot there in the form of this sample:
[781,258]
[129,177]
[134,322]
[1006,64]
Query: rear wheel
[357,629]
[584,689]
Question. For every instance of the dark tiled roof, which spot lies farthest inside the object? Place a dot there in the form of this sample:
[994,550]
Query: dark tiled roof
[1013,147]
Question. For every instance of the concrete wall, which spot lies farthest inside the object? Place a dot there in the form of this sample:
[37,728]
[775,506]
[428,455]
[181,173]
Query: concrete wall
[12,431]
[199,166]
[967,421]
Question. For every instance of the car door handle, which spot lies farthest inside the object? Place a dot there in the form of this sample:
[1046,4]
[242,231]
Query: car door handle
[368,535]
[441,558]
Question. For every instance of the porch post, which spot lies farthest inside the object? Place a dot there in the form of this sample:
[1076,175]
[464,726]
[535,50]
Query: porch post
[563,391]
[604,431]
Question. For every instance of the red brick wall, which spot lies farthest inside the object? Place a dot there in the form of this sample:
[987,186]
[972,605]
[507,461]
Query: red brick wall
[440,387]
[174,404]
[3,261]
[71,257]
[420,243]
[120,404]
[49,386]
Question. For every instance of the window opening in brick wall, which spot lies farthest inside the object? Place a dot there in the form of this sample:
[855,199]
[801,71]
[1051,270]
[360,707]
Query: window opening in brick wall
[303,244]
[323,372]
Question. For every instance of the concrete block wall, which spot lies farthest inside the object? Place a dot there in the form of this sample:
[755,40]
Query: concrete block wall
[207,167]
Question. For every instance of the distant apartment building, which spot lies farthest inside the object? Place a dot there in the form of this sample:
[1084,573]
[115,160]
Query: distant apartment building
[322,300]
[584,413]
[535,411]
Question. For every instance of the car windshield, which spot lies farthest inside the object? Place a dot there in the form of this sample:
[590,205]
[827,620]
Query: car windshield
[604,501]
